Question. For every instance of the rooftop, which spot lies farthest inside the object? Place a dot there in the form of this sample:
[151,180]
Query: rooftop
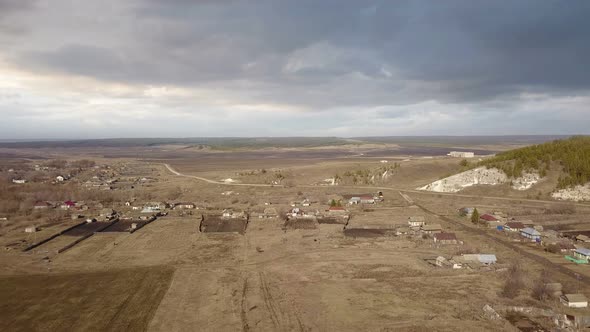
[583,251]
[445,236]
[575,297]
[530,231]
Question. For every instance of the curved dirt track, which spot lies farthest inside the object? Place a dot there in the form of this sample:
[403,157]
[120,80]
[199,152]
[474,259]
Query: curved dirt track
[510,199]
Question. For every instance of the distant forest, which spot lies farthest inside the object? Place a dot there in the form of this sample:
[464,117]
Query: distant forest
[572,154]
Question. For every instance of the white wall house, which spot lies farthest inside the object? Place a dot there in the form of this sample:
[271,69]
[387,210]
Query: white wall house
[574,300]
[459,154]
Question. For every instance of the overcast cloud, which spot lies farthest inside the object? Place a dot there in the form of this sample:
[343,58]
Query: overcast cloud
[77,69]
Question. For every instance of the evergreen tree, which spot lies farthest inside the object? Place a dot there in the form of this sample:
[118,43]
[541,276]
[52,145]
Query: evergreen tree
[475,216]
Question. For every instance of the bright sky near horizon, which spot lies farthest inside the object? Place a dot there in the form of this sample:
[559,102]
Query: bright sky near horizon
[180,68]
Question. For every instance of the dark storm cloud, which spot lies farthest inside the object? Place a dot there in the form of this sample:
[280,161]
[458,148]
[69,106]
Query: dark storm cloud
[8,8]
[340,53]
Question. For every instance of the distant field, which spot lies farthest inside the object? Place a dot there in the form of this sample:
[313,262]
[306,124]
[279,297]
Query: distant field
[123,300]
[229,143]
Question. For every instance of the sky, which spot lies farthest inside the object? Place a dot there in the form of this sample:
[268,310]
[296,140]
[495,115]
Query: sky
[181,68]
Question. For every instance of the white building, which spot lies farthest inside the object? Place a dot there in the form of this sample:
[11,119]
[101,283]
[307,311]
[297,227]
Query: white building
[574,300]
[460,154]
[416,221]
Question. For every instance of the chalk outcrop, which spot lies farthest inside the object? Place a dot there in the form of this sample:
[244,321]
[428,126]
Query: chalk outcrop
[455,183]
[577,193]
[526,181]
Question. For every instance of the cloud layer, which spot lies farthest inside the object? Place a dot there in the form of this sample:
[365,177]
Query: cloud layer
[349,68]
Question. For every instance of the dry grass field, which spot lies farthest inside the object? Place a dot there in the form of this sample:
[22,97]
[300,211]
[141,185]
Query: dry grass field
[114,300]
[168,276]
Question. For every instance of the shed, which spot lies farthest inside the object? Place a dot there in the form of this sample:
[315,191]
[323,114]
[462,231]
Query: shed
[31,229]
[574,300]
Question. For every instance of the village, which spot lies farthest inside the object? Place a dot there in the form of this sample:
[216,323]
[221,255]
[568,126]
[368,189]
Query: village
[116,204]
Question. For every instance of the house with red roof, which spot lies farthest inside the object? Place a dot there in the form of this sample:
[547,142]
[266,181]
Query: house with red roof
[68,204]
[445,238]
[489,218]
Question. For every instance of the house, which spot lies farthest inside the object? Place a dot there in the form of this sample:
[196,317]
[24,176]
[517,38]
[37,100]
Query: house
[31,229]
[306,202]
[461,154]
[431,229]
[337,210]
[59,178]
[574,300]
[19,181]
[582,238]
[566,247]
[514,226]
[42,205]
[153,207]
[582,253]
[184,205]
[531,233]
[360,199]
[299,213]
[488,217]
[416,221]
[68,205]
[445,238]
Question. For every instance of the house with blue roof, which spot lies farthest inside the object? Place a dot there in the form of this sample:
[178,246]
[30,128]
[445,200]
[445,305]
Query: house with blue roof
[531,233]
[582,253]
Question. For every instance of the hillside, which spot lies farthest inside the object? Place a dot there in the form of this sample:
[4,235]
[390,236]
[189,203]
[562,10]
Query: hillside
[560,169]
[571,155]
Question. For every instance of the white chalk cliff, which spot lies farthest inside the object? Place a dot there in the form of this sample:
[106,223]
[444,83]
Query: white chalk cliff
[479,176]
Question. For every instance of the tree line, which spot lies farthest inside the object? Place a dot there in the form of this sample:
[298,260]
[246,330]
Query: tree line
[572,154]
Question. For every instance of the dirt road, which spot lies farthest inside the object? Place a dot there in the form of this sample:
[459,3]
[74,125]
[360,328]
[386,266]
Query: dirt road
[175,172]
[401,191]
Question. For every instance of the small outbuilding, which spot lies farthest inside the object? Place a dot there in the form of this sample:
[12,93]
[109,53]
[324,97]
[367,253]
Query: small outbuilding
[574,300]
